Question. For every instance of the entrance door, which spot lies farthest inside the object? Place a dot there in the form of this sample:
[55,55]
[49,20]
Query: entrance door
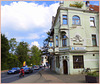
[65,67]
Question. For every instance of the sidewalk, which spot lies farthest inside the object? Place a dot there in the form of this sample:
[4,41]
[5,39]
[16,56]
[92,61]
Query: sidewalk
[47,76]
[53,77]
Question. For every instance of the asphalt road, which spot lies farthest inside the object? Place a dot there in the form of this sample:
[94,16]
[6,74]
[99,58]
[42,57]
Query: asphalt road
[5,78]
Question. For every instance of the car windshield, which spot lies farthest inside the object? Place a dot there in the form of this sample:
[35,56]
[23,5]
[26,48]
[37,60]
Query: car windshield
[13,68]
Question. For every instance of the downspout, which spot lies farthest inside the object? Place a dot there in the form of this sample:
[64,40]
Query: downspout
[68,43]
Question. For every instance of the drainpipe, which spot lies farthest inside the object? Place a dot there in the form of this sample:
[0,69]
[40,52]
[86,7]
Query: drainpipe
[69,42]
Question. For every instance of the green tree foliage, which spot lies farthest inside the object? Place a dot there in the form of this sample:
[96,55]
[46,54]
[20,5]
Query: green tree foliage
[36,55]
[13,61]
[4,52]
[12,44]
[22,52]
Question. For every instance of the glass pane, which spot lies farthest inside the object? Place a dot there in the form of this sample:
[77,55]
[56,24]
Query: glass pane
[91,23]
[94,42]
[76,17]
[91,18]
[73,22]
[56,37]
[56,42]
[94,36]
[64,16]
[77,22]
[64,21]
[64,36]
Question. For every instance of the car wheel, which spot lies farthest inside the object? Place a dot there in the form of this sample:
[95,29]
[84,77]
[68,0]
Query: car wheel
[15,72]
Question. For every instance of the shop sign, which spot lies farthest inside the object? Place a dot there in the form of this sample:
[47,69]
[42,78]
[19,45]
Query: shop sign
[63,48]
[78,48]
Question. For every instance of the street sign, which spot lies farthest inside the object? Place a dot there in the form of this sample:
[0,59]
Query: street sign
[50,44]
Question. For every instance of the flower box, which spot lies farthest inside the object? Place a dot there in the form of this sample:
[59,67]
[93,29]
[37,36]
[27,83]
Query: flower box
[91,79]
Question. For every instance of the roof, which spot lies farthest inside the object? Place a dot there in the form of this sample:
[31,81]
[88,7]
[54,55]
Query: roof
[94,8]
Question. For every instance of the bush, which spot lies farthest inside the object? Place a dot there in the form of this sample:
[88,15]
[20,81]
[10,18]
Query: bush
[95,74]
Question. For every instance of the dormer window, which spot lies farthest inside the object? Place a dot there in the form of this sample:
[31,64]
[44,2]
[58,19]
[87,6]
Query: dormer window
[76,20]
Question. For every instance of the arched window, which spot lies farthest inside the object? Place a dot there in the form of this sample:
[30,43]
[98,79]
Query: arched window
[76,20]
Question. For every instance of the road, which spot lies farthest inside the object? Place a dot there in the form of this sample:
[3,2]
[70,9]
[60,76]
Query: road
[5,78]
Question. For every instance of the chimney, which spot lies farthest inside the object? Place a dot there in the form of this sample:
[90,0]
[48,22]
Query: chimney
[87,3]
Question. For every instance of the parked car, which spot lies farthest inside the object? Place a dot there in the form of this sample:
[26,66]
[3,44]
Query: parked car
[27,69]
[14,70]
[36,67]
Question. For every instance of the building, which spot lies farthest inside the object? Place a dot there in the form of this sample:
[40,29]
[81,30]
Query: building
[75,34]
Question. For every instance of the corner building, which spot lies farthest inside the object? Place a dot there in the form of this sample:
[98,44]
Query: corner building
[75,34]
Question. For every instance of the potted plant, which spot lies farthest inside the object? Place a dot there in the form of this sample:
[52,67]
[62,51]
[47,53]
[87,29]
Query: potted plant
[77,4]
[92,77]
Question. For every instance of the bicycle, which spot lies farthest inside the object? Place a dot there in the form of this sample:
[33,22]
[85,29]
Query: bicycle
[86,70]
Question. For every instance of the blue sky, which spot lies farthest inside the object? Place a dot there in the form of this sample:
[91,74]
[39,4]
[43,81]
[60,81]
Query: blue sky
[28,20]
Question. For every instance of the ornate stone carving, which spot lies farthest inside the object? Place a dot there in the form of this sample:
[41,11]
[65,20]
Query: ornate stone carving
[77,38]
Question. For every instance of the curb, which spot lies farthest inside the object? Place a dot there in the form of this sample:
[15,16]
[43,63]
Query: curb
[4,71]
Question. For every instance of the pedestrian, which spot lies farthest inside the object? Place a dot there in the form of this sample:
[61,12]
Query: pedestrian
[44,66]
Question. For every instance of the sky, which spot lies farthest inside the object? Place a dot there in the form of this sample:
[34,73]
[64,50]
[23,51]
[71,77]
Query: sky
[28,21]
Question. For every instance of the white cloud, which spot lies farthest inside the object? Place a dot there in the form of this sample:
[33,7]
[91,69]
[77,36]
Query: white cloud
[27,21]
[34,43]
[23,16]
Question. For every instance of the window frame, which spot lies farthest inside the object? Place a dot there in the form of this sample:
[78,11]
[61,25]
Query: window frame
[65,19]
[79,63]
[76,19]
[65,41]
[57,44]
[93,39]
[92,21]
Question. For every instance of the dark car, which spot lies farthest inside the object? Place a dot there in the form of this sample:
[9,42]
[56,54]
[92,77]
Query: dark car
[36,67]
[14,70]
[27,69]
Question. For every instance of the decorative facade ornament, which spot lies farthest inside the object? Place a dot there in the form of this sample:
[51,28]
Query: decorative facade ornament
[77,38]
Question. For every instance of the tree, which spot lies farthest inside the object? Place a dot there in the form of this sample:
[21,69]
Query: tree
[4,51]
[45,44]
[13,45]
[36,55]
[22,52]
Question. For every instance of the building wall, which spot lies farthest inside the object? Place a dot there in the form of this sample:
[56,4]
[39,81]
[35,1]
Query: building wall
[84,31]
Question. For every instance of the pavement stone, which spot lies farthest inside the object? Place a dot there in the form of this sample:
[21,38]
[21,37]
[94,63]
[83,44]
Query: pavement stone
[58,78]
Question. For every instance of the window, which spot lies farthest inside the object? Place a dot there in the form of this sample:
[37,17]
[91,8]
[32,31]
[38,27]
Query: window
[76,20]
[78,62]
[56,41]
[64,40]
[94,40]
[92,22]
[65,19]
